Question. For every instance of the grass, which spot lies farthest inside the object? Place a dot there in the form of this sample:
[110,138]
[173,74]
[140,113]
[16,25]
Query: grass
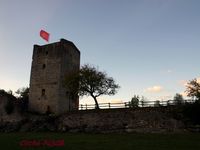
[78,141]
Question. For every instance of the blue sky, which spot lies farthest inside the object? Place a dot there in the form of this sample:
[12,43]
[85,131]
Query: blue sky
[150,47]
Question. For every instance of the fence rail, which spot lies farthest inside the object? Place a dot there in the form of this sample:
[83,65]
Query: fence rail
[131,105]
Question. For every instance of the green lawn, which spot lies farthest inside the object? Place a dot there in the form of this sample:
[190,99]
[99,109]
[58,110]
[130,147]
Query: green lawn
[104,141]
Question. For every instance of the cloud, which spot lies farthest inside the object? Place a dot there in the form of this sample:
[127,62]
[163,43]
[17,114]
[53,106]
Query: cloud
[183,82]
[198,80]
[154,89]
[184,94]
[169,71]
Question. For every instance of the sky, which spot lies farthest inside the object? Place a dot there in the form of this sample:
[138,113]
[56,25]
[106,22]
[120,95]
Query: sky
[150,47]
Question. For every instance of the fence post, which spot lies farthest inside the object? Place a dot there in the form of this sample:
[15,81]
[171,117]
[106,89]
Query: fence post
[168,103]
[142,103]
[86,106]
[109,105]
[81,107]
[125,104]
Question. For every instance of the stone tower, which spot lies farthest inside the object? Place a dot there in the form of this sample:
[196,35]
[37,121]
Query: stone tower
[50,64]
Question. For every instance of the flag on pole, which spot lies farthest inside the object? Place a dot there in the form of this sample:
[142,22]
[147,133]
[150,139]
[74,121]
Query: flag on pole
[44,35]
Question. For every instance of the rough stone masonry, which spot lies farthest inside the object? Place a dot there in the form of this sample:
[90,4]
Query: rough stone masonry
[50,64]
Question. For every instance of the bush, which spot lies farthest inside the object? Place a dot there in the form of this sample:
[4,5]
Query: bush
[134,101]
[178,99]
[157,103]
[9,107]
[192,112]
[23,99]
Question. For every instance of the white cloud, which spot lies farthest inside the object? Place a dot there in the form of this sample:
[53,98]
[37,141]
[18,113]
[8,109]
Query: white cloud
[198,80]
[154,89]
[183,83]
[169,71]
[184,94]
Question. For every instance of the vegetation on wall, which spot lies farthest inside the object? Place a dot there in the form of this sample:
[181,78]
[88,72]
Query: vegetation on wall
[23,98]
[9,106]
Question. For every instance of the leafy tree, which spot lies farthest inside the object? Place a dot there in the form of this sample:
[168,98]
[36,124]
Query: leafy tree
[9,107]
[23,98]
[157,103]
[193,89]
[134,101]
[178,99]
[23,92]
[89,81]
[10,92]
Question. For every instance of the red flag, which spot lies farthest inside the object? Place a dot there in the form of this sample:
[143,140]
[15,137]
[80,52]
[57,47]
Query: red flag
[44,35]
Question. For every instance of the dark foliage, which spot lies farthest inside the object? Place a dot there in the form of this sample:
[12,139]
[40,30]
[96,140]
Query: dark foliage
[23,99]
[134,101]
[157,103]
[193,89]
[9,107]
[192,112]
[178,99]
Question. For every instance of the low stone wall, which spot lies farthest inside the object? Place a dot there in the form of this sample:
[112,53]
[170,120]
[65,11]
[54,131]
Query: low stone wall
[120,120]
[145,120]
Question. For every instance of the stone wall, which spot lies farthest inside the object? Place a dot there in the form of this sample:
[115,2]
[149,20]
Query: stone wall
[120,120]
[142,120]
[14,116]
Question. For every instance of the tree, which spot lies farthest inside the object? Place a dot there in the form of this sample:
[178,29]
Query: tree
[178,99]
[89,81]
[23,98]
[134,101]
[193,89]
[157,103]
[23,92]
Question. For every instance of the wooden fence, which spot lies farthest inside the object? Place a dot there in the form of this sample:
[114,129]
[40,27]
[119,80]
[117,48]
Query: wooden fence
[132,105]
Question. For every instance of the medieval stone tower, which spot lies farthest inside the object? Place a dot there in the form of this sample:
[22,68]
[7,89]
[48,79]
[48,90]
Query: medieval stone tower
[50,64]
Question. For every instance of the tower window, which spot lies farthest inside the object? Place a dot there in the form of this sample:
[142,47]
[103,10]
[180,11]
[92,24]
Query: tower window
[43,92]
[48,110]
[43,66]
